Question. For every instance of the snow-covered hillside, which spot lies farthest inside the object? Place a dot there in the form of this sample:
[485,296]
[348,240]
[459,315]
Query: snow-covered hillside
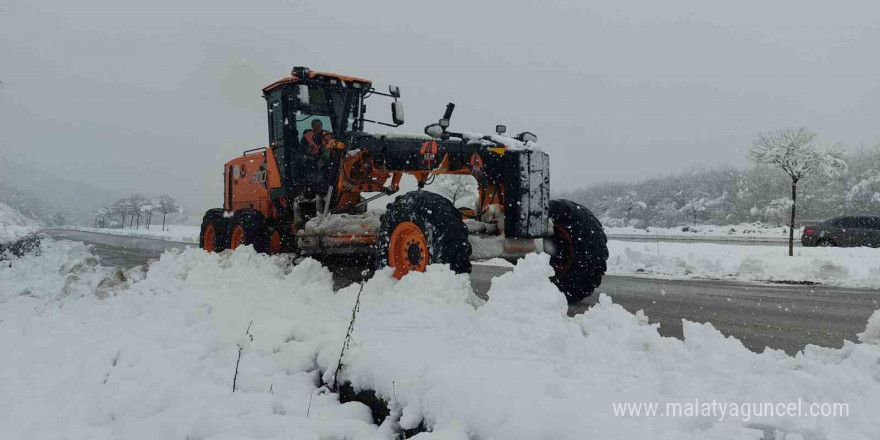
[9,216]
[94,353]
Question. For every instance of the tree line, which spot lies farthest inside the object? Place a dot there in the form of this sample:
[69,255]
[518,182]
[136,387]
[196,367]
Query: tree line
[825,181]
[135,209]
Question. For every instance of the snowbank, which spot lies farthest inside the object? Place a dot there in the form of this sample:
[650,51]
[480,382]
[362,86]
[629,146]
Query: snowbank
[851,267]
[741,232]
[871,335]
[155,358]
[179,233]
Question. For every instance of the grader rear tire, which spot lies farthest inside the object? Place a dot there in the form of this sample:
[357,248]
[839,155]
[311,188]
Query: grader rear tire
[578,250]
[421,228]
[249,227]
[214,234]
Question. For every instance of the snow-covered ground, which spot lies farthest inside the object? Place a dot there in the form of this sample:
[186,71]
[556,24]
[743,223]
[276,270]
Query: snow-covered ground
[181,233]
[742,232]
[90,352]
[851,267]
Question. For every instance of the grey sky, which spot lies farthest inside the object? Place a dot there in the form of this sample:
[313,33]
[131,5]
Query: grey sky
[155,96]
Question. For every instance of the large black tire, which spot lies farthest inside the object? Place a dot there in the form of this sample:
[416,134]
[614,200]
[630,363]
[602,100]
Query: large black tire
[438,220]
[253,229]
[216,226]
[578,250]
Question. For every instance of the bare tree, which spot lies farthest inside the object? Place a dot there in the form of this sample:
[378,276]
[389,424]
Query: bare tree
[795,152]
[456,187]
[166,205]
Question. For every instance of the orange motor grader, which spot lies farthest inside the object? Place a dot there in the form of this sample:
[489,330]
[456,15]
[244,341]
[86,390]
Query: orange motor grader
[307,191]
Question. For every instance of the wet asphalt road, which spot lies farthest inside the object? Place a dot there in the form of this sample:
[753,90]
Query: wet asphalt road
[760,315]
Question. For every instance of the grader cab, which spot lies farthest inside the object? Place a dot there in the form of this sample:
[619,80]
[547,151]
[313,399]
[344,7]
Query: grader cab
[307,191]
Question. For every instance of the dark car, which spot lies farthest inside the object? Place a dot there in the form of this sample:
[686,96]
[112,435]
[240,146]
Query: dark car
[844,232]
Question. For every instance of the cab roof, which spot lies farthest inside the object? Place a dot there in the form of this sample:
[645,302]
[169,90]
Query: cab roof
[317,76]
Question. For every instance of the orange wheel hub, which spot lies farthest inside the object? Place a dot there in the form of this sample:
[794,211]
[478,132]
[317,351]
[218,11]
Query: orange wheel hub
[408,249]
[275,242]
[209,238]
[237,237]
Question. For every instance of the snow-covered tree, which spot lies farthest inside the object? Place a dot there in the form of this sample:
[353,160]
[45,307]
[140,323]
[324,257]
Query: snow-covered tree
[146,210]
[139,207]
[166,205]
[773,210]
[58,219]
[122,208]
[101,214]
[864,195]
[457,188]
[795,152]
[627,204]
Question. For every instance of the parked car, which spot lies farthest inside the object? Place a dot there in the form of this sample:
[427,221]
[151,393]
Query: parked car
[844,232]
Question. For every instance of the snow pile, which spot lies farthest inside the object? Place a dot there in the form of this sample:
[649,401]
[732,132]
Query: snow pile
[178,233]
[852,267]
[155,359]
[741,232]
[494,140]
[871,335]
[56,271]
[341,224]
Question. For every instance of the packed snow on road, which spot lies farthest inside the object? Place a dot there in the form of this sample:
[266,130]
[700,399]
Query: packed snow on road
[178,233]
[94,352]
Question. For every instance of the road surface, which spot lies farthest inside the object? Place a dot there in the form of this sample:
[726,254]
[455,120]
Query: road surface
[760,315]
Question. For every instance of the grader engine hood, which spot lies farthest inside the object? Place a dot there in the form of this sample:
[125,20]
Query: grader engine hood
[525,173]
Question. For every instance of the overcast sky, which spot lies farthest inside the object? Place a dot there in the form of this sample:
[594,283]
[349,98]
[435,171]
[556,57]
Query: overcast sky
[155,96]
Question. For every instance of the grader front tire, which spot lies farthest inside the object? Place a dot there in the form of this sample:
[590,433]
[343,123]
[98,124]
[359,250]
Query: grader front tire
[421,228]
[578,250]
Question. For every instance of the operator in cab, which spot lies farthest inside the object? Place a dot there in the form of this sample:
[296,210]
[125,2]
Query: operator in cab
[315,142]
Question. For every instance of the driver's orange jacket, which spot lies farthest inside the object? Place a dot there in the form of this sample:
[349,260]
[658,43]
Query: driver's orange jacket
[313,146]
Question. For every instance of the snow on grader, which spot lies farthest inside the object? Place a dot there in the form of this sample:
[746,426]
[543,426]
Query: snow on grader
[307,192]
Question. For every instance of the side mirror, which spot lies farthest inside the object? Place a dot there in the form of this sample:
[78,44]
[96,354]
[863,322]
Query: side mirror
[500,129]
[302,95]
[394,91]
[397,112]
[434,130]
